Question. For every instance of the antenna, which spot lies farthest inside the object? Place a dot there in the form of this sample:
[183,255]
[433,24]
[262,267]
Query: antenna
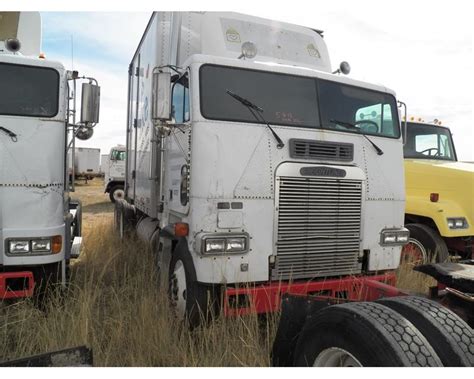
[72,52]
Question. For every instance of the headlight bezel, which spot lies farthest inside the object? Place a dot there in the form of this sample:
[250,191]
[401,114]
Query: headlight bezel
[394,237]
[453,222]
[53,246]
[227,239]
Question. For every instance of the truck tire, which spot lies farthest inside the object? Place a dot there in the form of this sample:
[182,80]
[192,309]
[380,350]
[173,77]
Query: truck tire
[448,334]
[190,299]
[424,246]
[362,334]
[116,192]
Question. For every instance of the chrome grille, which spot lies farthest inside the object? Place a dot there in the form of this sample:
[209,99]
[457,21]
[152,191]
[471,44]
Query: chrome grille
[318,227]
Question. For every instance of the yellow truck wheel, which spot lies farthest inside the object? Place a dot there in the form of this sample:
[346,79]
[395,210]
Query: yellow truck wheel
[424,246]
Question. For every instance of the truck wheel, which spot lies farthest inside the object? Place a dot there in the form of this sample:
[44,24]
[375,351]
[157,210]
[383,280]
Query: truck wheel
[450,336]
[116,192]
[424,246]
[189,299]
[362,334]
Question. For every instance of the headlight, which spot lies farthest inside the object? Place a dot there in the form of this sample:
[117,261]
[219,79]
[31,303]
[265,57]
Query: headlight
[41,245]
[394,237]
[235,244]
[213,245]
[18,246]
[219,244]
[457,223]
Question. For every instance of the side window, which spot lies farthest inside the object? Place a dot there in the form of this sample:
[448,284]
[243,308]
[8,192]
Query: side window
[444,146]
[180,103]
[377,119]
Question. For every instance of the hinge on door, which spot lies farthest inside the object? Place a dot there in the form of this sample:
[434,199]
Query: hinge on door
[130,70]
[133,174]
[135,122]
[137,71]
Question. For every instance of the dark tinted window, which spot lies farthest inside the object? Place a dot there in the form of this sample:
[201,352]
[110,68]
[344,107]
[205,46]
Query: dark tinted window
[285,99]
[297,101]
[28,91]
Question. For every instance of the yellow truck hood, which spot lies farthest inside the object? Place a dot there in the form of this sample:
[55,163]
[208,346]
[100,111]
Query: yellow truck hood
[453,181]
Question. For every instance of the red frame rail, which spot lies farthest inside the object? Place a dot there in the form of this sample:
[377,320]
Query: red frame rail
[266,298]
[6,293]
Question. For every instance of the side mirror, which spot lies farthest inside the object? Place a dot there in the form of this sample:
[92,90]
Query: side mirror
[161,96]
[90,103]
[404,123]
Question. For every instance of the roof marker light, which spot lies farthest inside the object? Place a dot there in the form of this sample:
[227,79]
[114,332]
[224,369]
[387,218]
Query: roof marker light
[249,50]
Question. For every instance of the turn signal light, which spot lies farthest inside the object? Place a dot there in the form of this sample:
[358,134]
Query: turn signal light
[181,229]
[434,197]
[56,244]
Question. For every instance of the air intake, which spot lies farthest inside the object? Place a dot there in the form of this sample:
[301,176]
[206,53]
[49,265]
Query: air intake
[322,150]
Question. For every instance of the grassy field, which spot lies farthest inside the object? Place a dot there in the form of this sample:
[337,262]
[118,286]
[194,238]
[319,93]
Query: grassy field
[114,307]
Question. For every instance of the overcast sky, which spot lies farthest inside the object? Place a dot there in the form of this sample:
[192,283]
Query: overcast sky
[420,49]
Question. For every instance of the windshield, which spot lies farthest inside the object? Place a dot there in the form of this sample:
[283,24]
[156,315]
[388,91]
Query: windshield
[118,155]
[428,142]
[28,91]
[296,101]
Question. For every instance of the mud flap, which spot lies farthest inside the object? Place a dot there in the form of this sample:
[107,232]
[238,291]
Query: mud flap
[74,357]
[459,276]
[294,312]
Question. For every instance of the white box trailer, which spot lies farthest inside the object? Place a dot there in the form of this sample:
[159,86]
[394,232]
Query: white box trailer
[86,163]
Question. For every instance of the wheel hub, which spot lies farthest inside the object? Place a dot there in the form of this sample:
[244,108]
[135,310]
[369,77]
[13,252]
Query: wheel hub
[119,194]
[414,253]
[336,357]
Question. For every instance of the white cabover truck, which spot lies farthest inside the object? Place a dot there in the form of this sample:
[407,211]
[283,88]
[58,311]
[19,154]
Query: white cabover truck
[250,162]
[40,226]
[256,174]
[114,172]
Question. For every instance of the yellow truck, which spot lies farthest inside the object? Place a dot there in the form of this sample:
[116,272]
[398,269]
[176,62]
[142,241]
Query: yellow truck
[439,195]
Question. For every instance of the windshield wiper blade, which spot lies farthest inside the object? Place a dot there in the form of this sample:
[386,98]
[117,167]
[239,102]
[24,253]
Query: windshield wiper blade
[246,102]
[354,127]
[12,135]
[251,107]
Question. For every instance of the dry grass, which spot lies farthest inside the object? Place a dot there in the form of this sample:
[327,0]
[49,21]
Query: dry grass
[114,307]
[412,281]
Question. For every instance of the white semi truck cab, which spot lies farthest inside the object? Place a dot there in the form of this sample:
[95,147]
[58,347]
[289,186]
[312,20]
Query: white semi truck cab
[252,167]
[114,172]
[40,226]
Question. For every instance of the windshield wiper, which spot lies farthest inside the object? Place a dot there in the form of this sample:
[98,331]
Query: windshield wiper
[252,107]
[354,127]
[10,133]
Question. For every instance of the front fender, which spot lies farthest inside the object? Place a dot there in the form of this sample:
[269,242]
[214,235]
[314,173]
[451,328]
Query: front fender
[439,212]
